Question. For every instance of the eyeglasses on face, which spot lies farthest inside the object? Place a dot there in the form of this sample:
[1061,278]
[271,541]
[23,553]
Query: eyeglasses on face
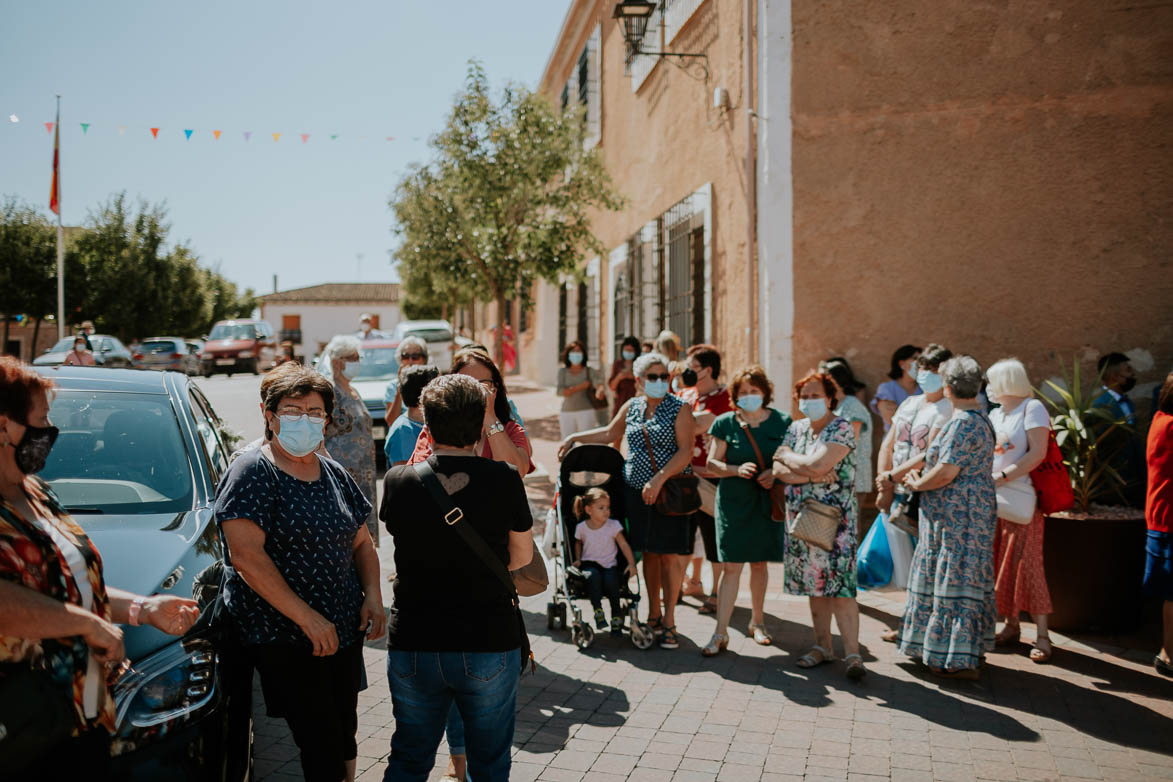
[656,376]
[289,411]
[412,356]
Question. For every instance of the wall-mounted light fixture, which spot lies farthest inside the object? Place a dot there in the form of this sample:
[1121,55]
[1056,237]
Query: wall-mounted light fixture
[633,16]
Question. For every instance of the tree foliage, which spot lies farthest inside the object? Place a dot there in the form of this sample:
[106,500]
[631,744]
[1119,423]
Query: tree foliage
[505,201]
[120,273]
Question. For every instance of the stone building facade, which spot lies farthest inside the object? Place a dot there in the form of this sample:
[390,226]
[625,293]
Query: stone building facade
[995,177]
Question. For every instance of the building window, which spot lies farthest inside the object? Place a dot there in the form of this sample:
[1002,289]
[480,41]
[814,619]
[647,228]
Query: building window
[583,85]
[563,314]
[661,280]
[291,328]
[676,16]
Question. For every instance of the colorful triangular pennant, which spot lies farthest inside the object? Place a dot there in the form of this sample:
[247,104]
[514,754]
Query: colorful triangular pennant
[390,138]
[276,136]
[154,132]
[216,133]
[121,130]
[49,127]
[187,133]
[305,137]
[85,128]
[247,134]
[333,136]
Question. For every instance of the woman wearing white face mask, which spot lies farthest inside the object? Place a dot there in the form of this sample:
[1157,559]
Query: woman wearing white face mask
[655,418]
[303,585]
[577,384]
[349,438]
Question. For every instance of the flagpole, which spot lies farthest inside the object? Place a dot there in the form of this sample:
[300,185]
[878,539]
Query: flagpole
[60,242]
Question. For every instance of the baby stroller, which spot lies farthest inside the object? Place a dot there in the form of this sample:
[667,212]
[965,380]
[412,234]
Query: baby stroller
[585,467]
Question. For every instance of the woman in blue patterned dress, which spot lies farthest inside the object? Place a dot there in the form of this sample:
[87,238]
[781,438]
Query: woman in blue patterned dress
[665,541]
[817,461]
[349,437]
[949,617]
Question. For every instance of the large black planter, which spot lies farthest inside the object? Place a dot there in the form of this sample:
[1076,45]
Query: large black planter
[1094,571]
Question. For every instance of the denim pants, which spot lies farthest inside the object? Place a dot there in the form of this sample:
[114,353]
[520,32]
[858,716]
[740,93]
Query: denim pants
[603,581]
[424,688]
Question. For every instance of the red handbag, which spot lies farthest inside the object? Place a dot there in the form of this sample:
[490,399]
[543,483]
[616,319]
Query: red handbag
[1051,480]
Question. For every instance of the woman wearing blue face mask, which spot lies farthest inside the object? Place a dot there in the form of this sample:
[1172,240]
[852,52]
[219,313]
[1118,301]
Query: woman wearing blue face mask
[657,418]
[743,440]
[303,586]
[817,462]
[622,380]
[578,385]
[349,438]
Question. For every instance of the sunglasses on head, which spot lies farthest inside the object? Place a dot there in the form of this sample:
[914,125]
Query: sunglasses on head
[411,356]
[655,376]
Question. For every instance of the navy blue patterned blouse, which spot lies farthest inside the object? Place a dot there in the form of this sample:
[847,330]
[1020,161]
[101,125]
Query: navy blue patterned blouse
[309,531]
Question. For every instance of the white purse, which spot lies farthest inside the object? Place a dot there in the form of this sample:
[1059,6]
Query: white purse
[1016,503]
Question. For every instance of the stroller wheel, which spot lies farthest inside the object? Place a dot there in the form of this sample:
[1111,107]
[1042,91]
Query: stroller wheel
[583,635]
[642,636]
[551,615]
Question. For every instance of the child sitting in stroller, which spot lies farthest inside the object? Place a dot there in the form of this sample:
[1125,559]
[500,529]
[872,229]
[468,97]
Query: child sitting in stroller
[598,539]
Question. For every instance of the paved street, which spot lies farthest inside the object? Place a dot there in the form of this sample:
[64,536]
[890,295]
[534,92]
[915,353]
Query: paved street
[613,712]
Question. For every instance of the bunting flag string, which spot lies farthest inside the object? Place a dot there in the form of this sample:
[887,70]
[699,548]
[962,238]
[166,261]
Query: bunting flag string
[216,134]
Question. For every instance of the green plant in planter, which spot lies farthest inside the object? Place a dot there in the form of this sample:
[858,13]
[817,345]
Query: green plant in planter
[1088,436]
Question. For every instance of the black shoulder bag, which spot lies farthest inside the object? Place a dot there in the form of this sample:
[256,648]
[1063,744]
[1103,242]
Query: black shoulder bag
[452,517]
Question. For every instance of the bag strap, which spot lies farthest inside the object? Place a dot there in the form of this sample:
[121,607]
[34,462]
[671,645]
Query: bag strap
[651,450]
[753,443]
[453,515]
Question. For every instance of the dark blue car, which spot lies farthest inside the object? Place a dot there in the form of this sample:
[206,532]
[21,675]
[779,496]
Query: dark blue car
[137,463]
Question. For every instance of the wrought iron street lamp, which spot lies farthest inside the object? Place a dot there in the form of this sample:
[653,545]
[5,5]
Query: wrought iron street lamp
[633,16]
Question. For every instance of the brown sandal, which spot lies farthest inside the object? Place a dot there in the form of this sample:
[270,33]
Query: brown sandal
[1038,654]
[708,607]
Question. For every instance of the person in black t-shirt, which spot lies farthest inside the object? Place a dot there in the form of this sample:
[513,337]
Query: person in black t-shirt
[453,632]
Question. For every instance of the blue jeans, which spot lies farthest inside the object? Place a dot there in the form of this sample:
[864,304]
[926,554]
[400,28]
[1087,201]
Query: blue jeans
[603,581]
[425,686]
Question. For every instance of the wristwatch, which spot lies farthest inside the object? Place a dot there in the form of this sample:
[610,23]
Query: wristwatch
[135,611]
[495,429]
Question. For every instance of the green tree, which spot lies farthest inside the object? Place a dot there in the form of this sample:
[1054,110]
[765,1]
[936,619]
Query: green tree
[28,265]
[505,201]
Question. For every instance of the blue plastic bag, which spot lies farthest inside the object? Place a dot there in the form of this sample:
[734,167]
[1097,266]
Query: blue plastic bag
[874,560]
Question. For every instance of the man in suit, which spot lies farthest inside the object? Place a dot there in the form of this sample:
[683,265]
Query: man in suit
[1124,446]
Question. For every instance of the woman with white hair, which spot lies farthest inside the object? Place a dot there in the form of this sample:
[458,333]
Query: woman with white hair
[348,435]
[412,351]
[949,614]
[1023,428]
[664,422]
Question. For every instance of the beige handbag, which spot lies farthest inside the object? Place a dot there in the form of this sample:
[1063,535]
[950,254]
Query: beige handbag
[816,523]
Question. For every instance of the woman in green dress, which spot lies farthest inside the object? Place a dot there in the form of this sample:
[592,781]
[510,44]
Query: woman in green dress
[745,531]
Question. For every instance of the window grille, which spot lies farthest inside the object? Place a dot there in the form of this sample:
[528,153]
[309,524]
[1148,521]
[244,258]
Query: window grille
[562,316]
[584,76]
[642,64]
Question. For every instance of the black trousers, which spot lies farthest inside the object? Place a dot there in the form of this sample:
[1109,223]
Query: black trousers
[318,697]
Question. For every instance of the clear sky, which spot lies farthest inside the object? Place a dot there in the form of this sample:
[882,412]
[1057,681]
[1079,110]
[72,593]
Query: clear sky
[303,211]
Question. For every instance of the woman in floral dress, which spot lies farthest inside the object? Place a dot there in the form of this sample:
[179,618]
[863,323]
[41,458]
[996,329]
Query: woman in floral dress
[949,615]
[349,438]
[817,460]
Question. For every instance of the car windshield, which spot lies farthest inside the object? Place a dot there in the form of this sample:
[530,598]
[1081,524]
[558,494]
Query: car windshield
[233,331]
[377,364]
[118,453]
[157,346]
[429,334]
[62,345]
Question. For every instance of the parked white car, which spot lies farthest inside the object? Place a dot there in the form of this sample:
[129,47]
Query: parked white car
[436,333]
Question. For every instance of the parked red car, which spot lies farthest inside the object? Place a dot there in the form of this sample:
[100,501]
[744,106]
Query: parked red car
[239,346]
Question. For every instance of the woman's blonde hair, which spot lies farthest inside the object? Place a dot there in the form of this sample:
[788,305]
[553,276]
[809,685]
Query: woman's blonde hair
[587,499]
[1008,378]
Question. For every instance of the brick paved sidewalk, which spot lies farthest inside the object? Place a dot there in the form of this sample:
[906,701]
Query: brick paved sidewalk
[614,712]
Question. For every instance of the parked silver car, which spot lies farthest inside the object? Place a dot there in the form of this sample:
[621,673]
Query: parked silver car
[436,333]
[167,353]
[108,352]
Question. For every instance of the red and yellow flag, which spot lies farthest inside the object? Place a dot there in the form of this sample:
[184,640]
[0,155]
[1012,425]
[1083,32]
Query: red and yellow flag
[55,188]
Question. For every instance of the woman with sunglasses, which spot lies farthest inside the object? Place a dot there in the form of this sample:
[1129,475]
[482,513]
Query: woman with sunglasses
[412,351]
[654,417]
[303,583]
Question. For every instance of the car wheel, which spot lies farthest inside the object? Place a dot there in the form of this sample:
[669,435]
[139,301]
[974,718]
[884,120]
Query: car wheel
[255,366]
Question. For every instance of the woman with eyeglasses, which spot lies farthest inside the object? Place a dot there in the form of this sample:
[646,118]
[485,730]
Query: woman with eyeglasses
[412,351]
[302,581]
[656,418]
[350,436]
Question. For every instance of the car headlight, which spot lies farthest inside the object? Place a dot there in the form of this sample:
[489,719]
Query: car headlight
[245,354]
[172,686]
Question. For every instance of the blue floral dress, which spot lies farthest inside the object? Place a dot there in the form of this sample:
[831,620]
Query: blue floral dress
[949,615]
[351,443]
[810,571]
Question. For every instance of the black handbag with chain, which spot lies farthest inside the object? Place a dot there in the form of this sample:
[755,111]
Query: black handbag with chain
[452,516]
